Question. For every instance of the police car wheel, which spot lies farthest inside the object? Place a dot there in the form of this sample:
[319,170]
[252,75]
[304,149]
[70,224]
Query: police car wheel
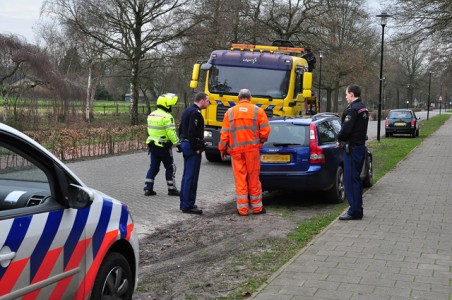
[114,279]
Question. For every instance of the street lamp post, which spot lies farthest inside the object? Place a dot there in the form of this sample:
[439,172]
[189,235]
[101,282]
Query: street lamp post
[428,100]
[407,102]
[383,18]
[320,78]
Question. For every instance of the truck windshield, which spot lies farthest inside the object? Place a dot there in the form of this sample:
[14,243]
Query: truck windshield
[261,82]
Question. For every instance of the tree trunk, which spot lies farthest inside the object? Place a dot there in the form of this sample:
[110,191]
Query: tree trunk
[88,95]
[135,94]
[5,108]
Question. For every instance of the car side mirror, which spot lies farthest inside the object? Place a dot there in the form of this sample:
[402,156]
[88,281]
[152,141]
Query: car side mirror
[79,196]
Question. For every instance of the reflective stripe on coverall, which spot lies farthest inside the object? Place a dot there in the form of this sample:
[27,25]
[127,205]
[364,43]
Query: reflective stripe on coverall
[245,128]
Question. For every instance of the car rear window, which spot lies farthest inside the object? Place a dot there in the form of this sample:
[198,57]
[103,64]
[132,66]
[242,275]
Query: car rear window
[399,114]
[283,133]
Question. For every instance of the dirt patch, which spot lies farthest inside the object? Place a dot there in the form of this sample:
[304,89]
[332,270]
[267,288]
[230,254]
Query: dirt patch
[211,256]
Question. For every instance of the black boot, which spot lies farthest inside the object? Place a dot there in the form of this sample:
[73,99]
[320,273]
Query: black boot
[149,193]
[173,192]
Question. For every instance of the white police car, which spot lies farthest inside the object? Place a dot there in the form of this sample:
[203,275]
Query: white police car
[59,239]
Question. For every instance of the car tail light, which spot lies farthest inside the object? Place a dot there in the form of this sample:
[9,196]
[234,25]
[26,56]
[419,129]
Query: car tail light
[413,123]
[316,155]
[387,123]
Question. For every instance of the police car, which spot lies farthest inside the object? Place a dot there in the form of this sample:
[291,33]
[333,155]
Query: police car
[59,239]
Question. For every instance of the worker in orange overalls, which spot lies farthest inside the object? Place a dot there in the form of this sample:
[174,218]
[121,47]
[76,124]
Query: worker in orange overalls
[245,128]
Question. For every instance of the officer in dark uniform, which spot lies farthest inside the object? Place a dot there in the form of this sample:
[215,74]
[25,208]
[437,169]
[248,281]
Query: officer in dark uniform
[191,132]
[352,137]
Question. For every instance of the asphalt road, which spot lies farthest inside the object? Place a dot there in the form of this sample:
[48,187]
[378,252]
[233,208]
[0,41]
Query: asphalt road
[122,177]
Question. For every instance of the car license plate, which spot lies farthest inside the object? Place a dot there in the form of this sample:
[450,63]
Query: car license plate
[400,123]
[275,158]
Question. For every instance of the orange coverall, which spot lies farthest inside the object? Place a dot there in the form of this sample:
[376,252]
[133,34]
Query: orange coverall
[245,128]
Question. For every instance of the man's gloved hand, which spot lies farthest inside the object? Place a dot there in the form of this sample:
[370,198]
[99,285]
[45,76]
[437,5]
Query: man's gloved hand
[179,148]
[223,155]
[167,145]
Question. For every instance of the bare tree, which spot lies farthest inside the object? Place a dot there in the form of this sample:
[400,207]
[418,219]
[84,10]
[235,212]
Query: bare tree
[350,46]
[131,28]
[290,19]
[23,67]
[425,19]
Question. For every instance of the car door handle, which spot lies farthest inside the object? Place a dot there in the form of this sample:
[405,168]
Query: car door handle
[6,258]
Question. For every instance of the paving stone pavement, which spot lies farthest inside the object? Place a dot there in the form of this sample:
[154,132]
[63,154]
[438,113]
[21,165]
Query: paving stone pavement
[122,177]
[401,249]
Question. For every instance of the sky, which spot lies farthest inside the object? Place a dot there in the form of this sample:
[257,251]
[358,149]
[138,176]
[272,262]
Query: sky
[20,16]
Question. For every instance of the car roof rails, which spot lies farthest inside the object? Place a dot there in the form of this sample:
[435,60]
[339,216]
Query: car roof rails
[324,115]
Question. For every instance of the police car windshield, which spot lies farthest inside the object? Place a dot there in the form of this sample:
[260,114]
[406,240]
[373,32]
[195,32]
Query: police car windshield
[230,80]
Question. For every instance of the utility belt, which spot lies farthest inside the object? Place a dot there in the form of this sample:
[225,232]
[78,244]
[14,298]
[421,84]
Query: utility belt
[199,143]
[165,145]
[347,146]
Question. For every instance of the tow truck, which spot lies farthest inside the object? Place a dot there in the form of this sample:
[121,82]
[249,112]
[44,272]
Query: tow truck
[277,76]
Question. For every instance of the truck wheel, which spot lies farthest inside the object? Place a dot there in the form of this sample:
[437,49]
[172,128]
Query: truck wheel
[337,193]
[213,157]
[114,279]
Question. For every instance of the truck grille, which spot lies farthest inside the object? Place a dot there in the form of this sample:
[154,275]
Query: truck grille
[221,110]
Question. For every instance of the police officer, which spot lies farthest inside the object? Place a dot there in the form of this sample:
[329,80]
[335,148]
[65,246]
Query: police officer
[191,131]
[352,137]
[162,136]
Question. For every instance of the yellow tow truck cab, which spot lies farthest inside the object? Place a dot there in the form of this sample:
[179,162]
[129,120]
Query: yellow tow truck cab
[277,77]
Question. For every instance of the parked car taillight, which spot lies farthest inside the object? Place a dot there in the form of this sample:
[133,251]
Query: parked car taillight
[316,155]
[413,123]
[387,123]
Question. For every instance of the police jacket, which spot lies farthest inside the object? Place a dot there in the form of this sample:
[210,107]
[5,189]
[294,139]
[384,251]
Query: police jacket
[355,119]
[245,127]
[161,128]
[192,127]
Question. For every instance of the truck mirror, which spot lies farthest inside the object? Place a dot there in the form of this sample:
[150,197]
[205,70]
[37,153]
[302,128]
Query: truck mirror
[195,76]
[299,70]
[307,81]
[206,66]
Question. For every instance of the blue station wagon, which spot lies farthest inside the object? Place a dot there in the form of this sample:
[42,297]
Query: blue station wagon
[301,154]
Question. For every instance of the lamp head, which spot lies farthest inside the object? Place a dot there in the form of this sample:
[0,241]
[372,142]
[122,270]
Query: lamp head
[384,18]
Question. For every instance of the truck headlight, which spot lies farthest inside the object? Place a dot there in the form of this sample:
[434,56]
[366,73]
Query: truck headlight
[207,134]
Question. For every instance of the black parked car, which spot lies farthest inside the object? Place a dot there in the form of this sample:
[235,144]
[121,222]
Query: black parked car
[301,154]
[402,121]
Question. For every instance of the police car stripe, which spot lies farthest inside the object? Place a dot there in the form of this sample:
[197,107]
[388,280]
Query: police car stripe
[74,262]
[44,271]
[75,234]
[46,238]
[88,282]
[12,275]
[102,225]
[16,236]
[123,221]
[129,231]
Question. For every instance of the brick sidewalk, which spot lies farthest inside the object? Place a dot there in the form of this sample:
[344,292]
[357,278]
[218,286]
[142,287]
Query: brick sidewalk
[401,249]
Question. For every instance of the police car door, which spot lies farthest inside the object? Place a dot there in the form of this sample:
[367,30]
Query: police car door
[42,242]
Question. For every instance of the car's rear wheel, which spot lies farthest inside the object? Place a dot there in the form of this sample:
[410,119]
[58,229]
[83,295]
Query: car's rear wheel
[337,193]
[114,279]
[369,179]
